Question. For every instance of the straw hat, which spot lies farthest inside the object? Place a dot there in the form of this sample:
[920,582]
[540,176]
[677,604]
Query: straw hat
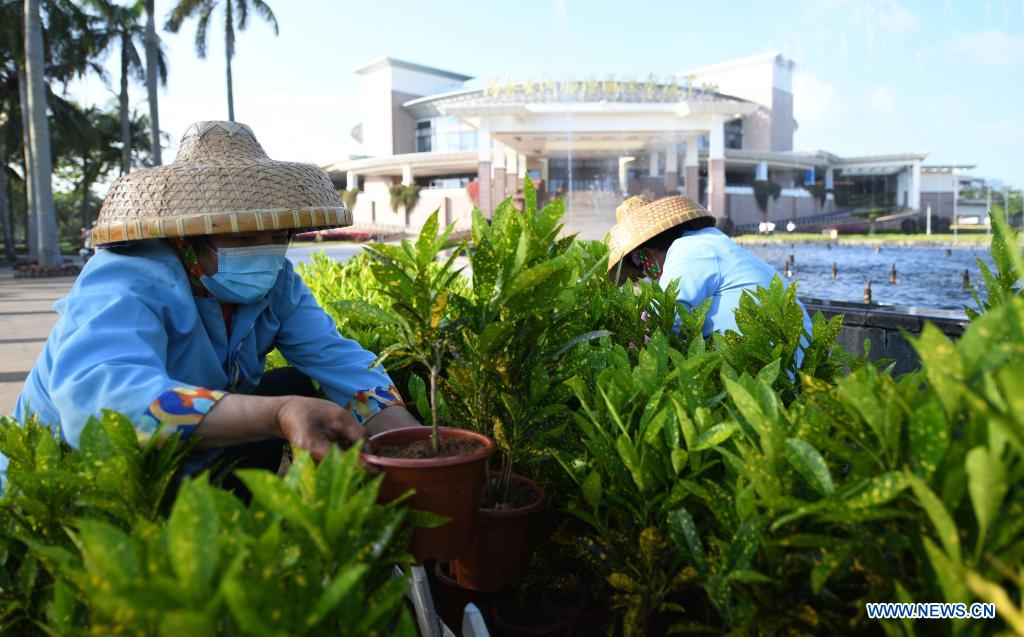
[221,181]
[640,218]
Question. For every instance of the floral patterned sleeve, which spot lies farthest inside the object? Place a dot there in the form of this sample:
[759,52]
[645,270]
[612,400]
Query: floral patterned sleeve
[180,409]
[367,403]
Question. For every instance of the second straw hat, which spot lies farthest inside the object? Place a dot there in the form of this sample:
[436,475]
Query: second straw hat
[640,218]
[220,182]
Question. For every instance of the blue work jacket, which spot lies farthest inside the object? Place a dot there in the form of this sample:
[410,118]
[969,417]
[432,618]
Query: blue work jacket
[133,338]
[708,264]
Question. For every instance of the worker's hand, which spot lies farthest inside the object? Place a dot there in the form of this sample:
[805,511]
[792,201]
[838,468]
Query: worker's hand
[393,417]
[314,425]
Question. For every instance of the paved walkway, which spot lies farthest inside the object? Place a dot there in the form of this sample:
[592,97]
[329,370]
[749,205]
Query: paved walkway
[26,317]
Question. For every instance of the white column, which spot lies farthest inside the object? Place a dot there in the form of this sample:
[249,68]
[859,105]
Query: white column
[544,169]
[407,175]
[498,182]
[521,172]
[690,159]
[672,159]
[511,159]
[691,170]
[915,186]
[716,167]
[624,175]
[716,140]
[499,155]
[672,169]
[652,163]
[351,180]
[762,171]
[483,145]
[483,170]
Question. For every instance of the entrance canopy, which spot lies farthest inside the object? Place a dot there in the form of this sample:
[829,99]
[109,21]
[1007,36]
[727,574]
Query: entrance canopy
[588,119]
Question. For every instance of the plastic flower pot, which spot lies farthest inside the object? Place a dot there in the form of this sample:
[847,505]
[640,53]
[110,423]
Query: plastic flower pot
[451,599]
[448,486]
[499,556]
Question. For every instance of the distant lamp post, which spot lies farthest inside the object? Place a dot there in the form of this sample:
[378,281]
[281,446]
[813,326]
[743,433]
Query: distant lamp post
[790,227]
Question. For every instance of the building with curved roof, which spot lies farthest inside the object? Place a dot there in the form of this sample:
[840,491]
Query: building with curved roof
[720,134]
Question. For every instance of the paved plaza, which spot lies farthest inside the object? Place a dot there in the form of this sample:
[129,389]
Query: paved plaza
[26,317]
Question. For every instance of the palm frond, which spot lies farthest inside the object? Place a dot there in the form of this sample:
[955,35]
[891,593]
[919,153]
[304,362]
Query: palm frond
[266,13]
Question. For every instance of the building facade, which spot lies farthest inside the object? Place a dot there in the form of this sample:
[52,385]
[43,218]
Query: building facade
[721,134]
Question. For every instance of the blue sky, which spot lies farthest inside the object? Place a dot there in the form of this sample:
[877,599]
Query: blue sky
[873,76]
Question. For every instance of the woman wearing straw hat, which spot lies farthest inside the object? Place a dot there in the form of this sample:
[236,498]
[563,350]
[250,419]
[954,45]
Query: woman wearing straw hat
[171,323]
[675,239]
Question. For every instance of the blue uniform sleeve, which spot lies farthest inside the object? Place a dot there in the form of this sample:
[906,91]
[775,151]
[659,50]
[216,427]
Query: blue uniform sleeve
[697,273]
[112,355]
[310,342]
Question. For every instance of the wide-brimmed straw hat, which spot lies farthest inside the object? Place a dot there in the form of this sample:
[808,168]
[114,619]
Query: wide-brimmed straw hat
[220,182]
[641,218]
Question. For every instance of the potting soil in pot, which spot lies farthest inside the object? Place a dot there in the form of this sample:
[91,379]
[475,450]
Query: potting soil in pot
[421,449]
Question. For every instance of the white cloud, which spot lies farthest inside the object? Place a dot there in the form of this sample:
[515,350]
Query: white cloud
[988,47]
[816,103]
[882,100]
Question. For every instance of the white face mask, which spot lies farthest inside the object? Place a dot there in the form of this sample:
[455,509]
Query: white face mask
[245,274]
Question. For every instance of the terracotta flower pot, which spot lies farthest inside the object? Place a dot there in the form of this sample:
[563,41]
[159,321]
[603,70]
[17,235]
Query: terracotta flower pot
[445,486]
[499,556]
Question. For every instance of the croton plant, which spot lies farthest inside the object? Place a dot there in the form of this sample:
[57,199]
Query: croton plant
[697,485]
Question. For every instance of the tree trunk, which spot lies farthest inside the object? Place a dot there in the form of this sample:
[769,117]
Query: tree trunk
[126,124]
[229,52]
[152,74]
[30,199]
[5,210]
[39,129]
[86,188]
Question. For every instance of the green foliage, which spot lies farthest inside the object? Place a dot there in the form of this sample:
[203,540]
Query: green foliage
[771,329]
[404,196]
[1005,251]
[519,335]
[90,543]
[784,511]
[764,189]
[348,197]
[643,428]
[720,484]
[417,293]
[332,281]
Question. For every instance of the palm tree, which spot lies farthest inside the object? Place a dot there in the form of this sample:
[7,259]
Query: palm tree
[6,218]
[152,62]
[88,145]
[236,15]
[39,131]
[122,29]
[68,48]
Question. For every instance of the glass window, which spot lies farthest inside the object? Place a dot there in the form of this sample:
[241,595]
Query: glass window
[424,136]
[734,134]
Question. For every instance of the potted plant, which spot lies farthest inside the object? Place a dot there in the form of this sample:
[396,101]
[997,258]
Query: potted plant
[443,465]
[512,353]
